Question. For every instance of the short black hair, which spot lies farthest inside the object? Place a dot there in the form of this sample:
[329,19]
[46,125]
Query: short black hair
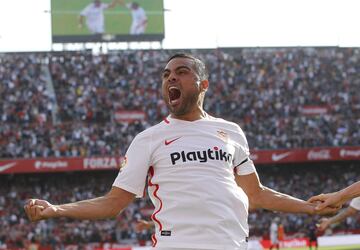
[200,66]
[135,5]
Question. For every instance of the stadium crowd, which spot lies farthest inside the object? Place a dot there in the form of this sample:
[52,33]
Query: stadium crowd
[24,95]
[17,232]
[64,104]
[267,91]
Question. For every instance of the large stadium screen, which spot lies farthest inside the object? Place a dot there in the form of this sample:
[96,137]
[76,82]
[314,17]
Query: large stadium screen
[107,20]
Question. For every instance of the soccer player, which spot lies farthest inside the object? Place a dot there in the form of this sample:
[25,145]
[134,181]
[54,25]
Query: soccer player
[312,235]
[201,179]
[94,15]
[281,232]
[139,18]
[337,198]
[274,237]
[351,210]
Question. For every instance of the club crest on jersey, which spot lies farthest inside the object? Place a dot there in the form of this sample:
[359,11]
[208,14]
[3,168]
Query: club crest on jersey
[222,135]
[201,156]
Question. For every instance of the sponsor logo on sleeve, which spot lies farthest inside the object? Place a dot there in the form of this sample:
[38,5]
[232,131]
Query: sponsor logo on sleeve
[123,162]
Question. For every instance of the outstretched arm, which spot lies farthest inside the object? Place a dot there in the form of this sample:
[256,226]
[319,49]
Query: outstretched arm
[264,197]
[120,2]
[107,206]
[326,222]
[337,198]
[114,3]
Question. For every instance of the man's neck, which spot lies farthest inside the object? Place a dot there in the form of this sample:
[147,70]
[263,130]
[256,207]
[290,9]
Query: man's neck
[193,116]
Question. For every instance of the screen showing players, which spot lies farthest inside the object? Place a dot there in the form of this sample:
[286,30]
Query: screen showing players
[107,20]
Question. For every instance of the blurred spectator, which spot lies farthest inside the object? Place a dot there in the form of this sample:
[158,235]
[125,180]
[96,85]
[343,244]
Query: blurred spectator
[269,92]
[24,97]
[300,181]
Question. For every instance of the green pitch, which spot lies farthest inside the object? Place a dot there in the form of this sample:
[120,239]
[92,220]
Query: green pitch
[351,247]
[65,16]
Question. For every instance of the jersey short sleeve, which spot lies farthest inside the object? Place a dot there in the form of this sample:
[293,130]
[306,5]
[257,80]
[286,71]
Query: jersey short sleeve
[242,162]
[355,203]
[132,175]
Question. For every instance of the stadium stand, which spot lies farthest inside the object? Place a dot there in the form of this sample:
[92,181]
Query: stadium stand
[301,181]
[283,98]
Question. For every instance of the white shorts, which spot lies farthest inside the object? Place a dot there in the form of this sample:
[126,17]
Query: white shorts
[274,240]
[137,29]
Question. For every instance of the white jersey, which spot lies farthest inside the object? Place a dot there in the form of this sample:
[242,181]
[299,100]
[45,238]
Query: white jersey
[139,20]
[355,203]
[190,168]
[95,17]
[274,233]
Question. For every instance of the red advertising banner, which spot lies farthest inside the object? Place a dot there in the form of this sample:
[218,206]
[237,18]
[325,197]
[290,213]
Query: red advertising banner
[305,155]
[314,110]
[289,243]
[42,165]
[129,116]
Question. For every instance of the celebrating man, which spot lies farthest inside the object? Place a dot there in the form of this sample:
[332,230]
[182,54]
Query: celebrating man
[200,175]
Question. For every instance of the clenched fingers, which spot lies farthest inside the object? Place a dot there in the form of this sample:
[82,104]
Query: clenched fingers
[320,197]
[33,212]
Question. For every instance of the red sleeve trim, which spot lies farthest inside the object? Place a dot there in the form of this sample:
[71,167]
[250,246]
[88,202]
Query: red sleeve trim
[153,216]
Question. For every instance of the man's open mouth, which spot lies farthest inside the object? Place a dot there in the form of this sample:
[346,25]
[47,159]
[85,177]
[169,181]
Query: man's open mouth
[174,95]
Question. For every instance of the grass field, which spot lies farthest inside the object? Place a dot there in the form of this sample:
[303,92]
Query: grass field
[351,247]
[65,14]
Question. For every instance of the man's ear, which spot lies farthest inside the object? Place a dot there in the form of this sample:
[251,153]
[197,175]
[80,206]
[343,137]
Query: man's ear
[204,85]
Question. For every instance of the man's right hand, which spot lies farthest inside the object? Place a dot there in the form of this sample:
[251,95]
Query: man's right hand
[327,200]
[39,210]
[143,225]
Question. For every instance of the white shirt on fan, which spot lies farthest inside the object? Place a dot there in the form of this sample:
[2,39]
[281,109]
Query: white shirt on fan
[190,168]
[355,203]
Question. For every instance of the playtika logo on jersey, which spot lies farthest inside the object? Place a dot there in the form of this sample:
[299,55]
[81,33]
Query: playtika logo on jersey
[215,154]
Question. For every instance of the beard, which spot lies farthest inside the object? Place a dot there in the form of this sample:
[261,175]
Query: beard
[188,103]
